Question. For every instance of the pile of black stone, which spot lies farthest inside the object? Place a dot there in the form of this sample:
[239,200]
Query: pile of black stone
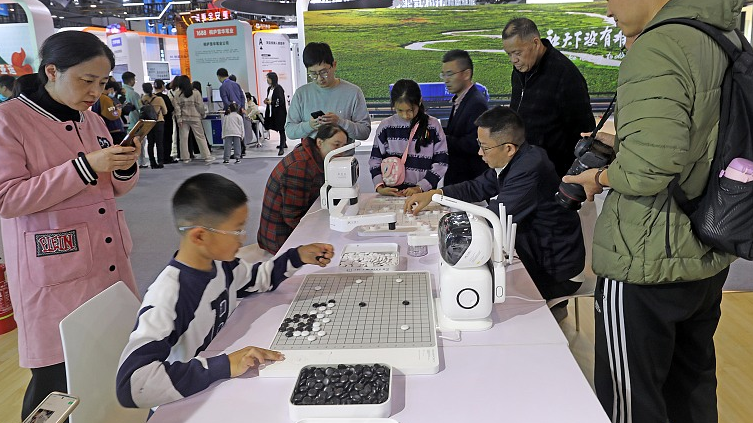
[343,384]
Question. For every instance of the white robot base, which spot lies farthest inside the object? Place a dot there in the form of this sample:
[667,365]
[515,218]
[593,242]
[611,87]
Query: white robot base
[445,324]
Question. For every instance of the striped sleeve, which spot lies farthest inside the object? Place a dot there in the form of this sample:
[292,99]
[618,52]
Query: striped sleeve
[267,275]
[84,169]
[151,373]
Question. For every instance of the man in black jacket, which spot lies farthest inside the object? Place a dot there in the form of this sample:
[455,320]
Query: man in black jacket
[467,105]
[549,239]
[548,92]
[167,143]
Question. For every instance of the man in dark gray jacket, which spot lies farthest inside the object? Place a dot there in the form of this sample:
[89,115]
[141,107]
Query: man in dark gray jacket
[549,239]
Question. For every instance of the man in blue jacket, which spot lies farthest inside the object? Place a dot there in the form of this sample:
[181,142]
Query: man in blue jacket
[549,239]
[230,91]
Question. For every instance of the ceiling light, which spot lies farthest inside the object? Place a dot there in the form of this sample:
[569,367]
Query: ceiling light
[92,6]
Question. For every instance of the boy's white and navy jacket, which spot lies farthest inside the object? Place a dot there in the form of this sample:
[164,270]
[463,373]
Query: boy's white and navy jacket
[182,312]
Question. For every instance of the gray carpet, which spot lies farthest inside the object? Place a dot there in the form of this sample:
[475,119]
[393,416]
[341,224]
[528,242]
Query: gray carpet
[155,239]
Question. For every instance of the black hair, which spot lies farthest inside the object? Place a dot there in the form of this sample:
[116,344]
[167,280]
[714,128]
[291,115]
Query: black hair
[129,77]
[250,97]
[273,77]
[316,53]
[25,84]
[408,91]
[183,84]
[112,84]
[329,130]
[7,81]
[462,57]
[232,78]
[159,84]
[521,27]
[222,72]
[196,86]
[70,48]
[232,107]
[500,120]
[147,88]
[206,199]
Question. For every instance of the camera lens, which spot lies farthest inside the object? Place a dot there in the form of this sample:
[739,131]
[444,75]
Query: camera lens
[570,196]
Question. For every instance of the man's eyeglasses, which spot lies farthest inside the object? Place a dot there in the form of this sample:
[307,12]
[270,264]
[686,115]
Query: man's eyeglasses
[448,75]
[240,234]
[485,149]
[324,74]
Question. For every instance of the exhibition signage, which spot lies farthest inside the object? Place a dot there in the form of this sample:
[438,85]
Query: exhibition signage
[272,54]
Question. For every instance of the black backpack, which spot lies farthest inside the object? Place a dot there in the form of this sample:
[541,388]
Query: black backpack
[147,112]
[722,216]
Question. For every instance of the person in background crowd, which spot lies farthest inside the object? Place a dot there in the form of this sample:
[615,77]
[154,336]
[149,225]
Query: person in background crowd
[549,238]
[189,110]
[556,106]
[167,138]
[132,107]
[65,239]
[157,134]
[24,83]
[468,103]
[276,113]
[230,91]
[341,102]
[294,185]
[232,133]
[111,111]
[659,292]
[6,87]
[426,161]
[257,119]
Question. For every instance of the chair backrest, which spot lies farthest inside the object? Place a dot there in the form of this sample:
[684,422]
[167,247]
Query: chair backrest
[94,336]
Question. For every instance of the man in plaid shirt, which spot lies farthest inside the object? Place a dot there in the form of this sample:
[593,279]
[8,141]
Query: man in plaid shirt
[294,185]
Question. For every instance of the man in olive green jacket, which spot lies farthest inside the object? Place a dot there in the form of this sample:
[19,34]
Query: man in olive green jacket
[659,292]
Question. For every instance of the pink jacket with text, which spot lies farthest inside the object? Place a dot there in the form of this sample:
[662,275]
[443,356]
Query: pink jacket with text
[64,238]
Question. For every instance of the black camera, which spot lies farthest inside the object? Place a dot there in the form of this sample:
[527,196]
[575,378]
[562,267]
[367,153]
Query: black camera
[590,153]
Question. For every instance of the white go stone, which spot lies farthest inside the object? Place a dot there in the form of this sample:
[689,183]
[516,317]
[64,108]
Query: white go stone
[317,288]
[404,327]
[398,280]
[330,305]
[359,280]
[316,325]
[305,333]
[312,312]
[297,333]
[326,320]
[328,312]
[320,315]
[321,308]
[311,338]
[321,333]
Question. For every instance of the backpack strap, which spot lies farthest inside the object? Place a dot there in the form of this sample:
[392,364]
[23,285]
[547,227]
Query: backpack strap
[410,138]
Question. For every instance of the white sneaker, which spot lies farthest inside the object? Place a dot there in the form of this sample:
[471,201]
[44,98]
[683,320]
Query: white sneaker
[210,159]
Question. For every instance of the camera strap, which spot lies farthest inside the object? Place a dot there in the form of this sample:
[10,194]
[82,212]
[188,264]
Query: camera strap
[604,117]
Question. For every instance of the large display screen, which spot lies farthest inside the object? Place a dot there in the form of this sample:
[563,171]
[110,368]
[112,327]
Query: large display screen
[376,47]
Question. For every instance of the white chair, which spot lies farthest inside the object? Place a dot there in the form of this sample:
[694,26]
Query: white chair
[586,290]
[94,336]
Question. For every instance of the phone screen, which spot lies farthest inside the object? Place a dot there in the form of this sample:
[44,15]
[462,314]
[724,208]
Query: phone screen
[54,409]
[141,129]
[317,114]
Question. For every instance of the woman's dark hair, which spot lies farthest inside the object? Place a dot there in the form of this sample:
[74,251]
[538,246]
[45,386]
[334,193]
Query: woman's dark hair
[183,84]
[232,107]
[329,130]
[250,97]
[196,86]
[273,77]
[316,53]
[70,48]
[206,199]
[407,91]
[147,88]
[7,82]
[159,84]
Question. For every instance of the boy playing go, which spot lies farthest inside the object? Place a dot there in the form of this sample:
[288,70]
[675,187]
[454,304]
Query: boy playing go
[191,299]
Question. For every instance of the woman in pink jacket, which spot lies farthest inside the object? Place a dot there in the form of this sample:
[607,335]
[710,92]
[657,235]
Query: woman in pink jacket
[65,239]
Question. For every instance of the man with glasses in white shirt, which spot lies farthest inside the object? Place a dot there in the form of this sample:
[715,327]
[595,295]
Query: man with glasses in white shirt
[467,105]
[340,102]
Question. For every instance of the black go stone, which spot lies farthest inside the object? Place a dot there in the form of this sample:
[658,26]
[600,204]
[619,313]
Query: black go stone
[289,333]
[406,302]
[332,301]
[357,384]
[362,304]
